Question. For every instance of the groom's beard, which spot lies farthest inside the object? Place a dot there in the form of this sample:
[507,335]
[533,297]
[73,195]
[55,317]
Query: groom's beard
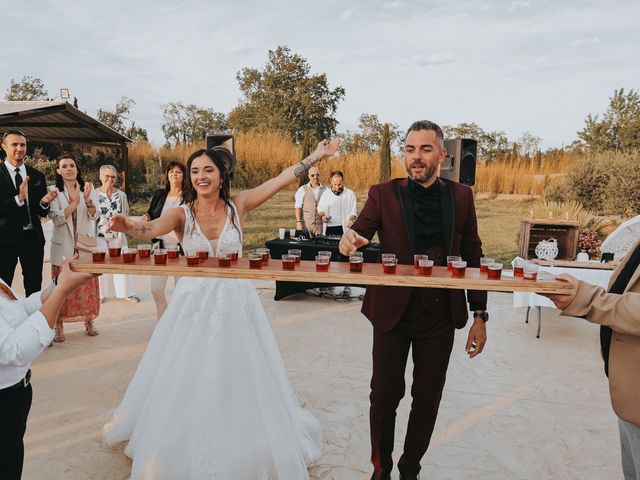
[428,175]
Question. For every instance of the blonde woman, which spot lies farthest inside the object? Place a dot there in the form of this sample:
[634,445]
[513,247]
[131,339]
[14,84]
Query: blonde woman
[73,213]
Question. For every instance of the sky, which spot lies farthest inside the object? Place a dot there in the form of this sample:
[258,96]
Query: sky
[539,66]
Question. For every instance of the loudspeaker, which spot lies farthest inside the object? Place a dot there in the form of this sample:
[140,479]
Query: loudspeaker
[460,163]
[227,141]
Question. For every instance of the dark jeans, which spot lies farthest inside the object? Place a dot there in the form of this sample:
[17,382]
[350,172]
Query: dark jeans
[14,409]
[30,251]
[427,328]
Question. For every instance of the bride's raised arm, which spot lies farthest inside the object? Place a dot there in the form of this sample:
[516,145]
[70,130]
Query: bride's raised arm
[170,221]
[248,200]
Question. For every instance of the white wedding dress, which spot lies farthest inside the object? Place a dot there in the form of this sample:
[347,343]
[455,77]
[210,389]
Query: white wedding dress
[210,398]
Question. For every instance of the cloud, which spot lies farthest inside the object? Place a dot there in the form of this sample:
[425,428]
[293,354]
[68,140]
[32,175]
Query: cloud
[585,41]
[393,4]
[347,14]
[516,4]
[239,49]
[435,59]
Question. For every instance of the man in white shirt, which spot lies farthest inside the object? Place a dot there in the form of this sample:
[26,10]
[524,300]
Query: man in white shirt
[337,206]
[306,198]
[26,329]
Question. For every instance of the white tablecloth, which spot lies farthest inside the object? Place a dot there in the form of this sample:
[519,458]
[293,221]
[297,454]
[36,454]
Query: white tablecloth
[593,276]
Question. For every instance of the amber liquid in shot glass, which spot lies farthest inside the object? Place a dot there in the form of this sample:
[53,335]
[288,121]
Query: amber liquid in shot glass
[115,251]
[99,256]
[129,256]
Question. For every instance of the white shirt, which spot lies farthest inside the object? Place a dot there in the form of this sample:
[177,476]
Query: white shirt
[338,207]
[299,196]
[24,334]
[12,173]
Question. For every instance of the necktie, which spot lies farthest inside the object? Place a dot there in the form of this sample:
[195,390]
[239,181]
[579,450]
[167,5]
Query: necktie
[26,220]
[7,291]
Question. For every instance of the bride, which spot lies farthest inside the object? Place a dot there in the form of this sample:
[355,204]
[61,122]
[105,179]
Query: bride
[210,398]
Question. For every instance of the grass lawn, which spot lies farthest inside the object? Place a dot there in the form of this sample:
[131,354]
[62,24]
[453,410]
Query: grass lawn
[498,221]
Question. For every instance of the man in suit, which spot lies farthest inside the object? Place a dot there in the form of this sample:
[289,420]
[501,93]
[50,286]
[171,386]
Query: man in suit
[616,310]
[23,199]
[306,201]
[421,214]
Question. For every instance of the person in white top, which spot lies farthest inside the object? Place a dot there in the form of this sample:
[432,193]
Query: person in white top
[306,201]
[164,199]
[26,329]
[337,207]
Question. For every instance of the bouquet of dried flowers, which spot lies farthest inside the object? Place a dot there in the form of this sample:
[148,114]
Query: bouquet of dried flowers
[589,242]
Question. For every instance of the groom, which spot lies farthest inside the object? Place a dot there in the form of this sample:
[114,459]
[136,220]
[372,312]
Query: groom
[422,214]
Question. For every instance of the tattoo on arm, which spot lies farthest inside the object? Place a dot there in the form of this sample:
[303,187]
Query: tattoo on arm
[140,229]
[304,166]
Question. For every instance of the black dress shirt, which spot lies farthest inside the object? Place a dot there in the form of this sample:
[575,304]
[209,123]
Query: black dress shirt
[427,215]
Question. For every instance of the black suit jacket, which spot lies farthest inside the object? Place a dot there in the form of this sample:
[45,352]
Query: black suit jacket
[11,216]
[389,211]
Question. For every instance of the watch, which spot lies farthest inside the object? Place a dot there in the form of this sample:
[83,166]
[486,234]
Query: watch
[484,316]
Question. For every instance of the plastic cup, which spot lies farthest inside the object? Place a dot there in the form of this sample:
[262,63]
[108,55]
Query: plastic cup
[203,255]
[193,260]
[129,255]
[494,271]
[144,250]
[255,260]
[458,268]
[173,252]
[417,258]
[389,265]
[292,233]
[281,233]
[322,263]
[450,259]
[288,262]
[295,253]
[224,259]
[355,263]
[265,255]
[160,256]
[98,254]
[425,267]
[518,268]
[484,261]
[530,271]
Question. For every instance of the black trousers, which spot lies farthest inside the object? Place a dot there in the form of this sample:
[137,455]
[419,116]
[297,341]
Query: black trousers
[425,328]
[334,230]
[30,252]
[14,409]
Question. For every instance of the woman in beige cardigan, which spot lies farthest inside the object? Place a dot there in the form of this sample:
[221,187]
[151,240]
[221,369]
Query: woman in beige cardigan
[73,213]
[617,310]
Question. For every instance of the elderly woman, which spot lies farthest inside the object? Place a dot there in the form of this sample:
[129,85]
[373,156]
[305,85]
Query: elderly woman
[163,200]
[112,201]
[73,213]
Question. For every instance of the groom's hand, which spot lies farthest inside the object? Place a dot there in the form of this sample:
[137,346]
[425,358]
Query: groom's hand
[351,241]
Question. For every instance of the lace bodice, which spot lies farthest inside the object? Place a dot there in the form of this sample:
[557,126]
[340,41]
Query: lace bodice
[230,237]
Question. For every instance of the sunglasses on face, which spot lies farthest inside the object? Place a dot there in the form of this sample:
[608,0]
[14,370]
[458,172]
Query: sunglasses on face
[314,175]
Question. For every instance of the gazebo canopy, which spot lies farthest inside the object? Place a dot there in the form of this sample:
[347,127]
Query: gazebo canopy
[58,121]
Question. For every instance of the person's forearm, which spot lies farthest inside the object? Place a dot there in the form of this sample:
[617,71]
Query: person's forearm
[298,215]
[51,306]
[141,230]
[73,206]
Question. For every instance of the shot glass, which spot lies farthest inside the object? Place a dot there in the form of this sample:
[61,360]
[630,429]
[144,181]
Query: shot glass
[417,258]
[322,263]
[458,268]
[265,255]
[494,271]
[233,253]
[115,247]
[160,256]
[224,259]
[450,259]
[518,268]
[129,255]
[98,254]
[296,254]
[389,265]
[484,261]
[203,254]
[173,252]
[255,260]
[325,253]
[425,267]
[144,250]
[355,263]
[193,260]
[530,271]
[288,262]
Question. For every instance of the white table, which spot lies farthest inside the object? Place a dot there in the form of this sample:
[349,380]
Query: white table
[590,275]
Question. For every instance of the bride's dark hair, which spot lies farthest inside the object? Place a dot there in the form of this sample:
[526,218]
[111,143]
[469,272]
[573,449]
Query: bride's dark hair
[221,157]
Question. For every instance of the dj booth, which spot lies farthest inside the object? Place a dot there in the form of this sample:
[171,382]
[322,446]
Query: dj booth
[310,248]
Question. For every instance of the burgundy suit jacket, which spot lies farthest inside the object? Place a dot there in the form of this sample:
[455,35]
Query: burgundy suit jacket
[389,211]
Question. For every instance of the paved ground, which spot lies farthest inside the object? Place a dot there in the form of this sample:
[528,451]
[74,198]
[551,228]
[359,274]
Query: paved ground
[525,409]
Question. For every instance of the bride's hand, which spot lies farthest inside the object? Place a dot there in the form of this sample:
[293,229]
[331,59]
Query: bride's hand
[119,223]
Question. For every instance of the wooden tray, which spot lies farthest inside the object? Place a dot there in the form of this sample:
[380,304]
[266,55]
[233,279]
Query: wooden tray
[574,264]
[405,276]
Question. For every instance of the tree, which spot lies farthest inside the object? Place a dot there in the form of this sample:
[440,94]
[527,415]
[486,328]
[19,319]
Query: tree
[491,145]
[118,119]
[190,123]
[285,97]
[528,144]
[385,153]
[619,128]
[370,137]
[29,88]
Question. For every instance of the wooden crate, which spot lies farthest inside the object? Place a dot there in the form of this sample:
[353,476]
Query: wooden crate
[535,230]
